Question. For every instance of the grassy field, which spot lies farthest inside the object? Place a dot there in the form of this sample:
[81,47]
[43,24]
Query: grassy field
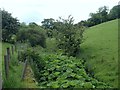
[100,50]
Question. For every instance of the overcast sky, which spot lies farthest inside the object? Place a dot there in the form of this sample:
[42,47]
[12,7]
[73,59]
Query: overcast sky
[36,10]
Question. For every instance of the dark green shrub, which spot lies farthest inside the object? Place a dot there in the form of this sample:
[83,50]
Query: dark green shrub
[69,36]
[36,38]
[32,36]
[49,33]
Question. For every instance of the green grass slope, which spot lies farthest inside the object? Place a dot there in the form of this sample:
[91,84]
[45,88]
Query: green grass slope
[100,50]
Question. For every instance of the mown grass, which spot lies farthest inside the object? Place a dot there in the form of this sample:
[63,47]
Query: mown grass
[100,50]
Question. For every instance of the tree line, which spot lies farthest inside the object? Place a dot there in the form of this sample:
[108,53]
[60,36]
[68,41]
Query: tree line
[102,15]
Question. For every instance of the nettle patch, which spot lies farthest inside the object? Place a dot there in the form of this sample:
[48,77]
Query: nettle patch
[66,72]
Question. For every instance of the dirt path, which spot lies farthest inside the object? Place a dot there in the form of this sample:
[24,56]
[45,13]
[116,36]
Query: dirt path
[29,79]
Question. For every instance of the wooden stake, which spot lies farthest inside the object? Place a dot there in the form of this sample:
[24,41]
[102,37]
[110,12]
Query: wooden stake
[6,65]
[8,53]
[15,47]
[24,70]
[12,49]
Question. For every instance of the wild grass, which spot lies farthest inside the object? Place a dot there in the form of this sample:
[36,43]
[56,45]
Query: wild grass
[14,79]
[100,50]
[15,72]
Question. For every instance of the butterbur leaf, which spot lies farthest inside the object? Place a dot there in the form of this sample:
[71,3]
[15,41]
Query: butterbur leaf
[88,85]
[56,73]
[65,85]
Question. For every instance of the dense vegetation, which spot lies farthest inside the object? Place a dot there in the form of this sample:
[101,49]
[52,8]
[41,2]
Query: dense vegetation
[63,54]
[32,36]
[10,27]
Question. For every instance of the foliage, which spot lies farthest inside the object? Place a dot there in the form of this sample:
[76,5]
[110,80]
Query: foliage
[82,23]
[69,36]
[102,15]
[33,36]
[35,61]
[32,24]
[114,12]
[10,26]
[37,38]
[22,36]
[48,23]
[99,17]
[65,72]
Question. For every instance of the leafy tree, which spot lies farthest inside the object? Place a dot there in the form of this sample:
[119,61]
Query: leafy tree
[48,23]
[82,23]
[114,12]
[32,36]
[95,18]
[69,36]
[32,24]
[22,36]
[99,17]
[103,13]
[10,26]
[37,38]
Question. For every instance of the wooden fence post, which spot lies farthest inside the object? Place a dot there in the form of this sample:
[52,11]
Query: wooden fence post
[24,69]
[8,53]
[6,65]
[15,48]
[12,49]
[18,55]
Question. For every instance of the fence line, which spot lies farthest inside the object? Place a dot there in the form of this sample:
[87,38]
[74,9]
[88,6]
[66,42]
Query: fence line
[6,65]
[7,58]
[24,70]
[10,51]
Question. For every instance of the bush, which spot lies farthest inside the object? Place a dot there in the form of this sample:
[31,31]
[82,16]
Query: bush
[32,36]
[69,36]
[37,38]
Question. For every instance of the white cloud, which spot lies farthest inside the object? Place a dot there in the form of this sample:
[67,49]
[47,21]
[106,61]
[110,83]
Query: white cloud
[36,10]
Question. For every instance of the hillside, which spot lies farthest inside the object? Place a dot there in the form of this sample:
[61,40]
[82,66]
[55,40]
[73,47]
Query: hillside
[100,51]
